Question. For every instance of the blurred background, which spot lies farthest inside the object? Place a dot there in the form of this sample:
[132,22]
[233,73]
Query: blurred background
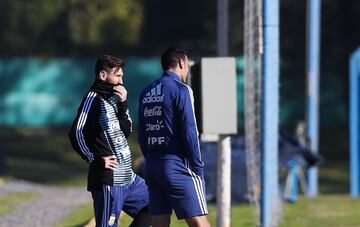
[48,51]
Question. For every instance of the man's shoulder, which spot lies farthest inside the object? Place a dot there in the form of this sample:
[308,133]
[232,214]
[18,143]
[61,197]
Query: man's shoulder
[90,97]
[184,88]
[150,87]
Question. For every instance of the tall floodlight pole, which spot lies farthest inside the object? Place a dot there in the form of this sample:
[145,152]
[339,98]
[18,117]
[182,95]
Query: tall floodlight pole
[312,73]
[223,194]
[270,198]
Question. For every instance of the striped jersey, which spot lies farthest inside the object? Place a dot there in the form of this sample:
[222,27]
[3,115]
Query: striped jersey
[100,129]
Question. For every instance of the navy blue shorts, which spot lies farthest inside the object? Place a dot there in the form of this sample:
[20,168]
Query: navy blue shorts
[109,201]
[173,186]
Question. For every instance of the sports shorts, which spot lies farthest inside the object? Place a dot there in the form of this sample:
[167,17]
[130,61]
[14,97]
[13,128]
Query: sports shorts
[110,200]
[173,186]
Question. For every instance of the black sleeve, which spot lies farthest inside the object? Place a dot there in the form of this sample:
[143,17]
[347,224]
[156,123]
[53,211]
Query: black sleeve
[82,133]
[124,118]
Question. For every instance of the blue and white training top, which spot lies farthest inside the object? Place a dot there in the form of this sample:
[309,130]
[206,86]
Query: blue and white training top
[100,129]
[167,124]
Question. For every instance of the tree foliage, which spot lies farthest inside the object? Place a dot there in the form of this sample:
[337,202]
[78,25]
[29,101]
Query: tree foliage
[42,27]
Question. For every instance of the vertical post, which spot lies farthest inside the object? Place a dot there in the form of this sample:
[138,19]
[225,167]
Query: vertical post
[312,71]
[354,123]
[223,205]
[222,28]
[223,194]
[269,187]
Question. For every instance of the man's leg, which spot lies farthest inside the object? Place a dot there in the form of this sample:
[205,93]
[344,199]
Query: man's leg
[188,196]
[107,205]
[162,220]
[136,203]
[142,218]
[198,221]
[159,203]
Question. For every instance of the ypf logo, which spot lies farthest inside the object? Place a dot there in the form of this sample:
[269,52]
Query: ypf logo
[156,140]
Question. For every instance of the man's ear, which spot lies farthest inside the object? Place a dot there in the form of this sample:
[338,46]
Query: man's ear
[102,75]
[180,64]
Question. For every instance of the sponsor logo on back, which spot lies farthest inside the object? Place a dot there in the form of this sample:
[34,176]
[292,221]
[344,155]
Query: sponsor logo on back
[154,127]
[154,95]
[154,112]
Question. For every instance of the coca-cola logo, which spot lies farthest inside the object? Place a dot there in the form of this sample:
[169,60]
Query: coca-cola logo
[154,112]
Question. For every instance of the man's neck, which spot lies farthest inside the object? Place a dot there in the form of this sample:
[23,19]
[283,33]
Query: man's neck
[177,72]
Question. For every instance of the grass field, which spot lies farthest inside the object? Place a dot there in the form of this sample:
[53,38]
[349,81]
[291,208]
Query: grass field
[328,210]
[10,201]
[323,211]
[242,211]
[45,156]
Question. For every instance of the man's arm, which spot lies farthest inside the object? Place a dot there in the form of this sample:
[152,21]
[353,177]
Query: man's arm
[189,130]
[81,132]
[124,119]
[123,111]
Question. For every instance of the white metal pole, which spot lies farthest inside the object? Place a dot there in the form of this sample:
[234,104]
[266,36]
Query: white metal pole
[223,195]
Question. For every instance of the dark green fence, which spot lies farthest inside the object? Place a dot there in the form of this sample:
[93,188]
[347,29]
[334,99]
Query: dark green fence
[46,92]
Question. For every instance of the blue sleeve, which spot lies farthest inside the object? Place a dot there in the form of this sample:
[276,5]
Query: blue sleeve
[190,135]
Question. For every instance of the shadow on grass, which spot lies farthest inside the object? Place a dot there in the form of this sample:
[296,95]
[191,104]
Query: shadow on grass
[41,155]
[334,177]
[44,155]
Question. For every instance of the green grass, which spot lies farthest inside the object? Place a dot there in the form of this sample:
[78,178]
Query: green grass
[241,216]
[77,218]
[323,211]
[242,210]
[45,156]
[83,214]
[334,177]
[47,153]
[42,156]
[10,201]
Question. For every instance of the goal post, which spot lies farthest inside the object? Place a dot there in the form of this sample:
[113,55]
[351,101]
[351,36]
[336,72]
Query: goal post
[270,193]
[354,123]
[261,50]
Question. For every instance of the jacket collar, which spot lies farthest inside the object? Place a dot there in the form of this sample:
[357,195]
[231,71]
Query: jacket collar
[172,75]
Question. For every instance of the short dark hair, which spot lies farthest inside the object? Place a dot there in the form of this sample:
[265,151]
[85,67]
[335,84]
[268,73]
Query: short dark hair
[107,62]
[171,57]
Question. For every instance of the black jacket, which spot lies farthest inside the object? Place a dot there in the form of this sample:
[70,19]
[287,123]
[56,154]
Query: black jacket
[100,129]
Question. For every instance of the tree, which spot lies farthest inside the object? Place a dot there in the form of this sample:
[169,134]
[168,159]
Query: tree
[42,27]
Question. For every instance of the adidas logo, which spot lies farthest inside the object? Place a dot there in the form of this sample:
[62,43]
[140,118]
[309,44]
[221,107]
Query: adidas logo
[154,95]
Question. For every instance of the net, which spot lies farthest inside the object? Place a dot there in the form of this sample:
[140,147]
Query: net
[253,93]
